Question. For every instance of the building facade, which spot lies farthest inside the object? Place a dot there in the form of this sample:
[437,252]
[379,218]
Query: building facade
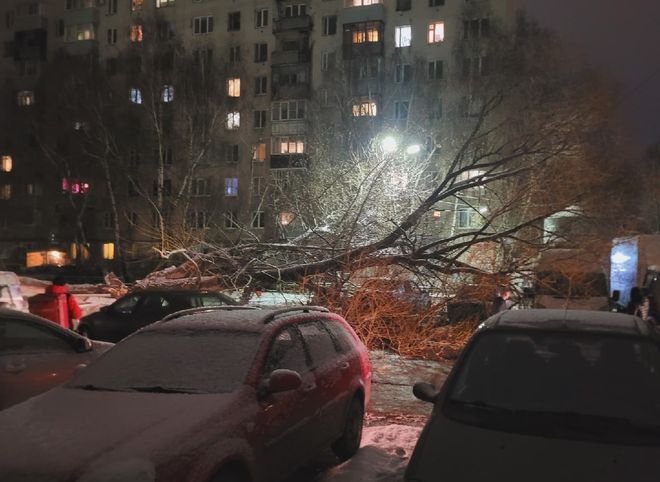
[285,71]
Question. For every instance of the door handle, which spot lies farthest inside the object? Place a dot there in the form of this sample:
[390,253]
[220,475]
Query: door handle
[309,387]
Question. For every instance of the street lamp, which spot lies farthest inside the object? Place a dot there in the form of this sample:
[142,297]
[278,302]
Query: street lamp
[388,144]
[413,149]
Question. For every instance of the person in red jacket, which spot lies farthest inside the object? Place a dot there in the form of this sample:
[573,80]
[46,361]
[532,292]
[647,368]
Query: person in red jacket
[62,307]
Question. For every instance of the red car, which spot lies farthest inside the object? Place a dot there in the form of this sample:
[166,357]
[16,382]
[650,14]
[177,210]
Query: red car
[228,394]
[37,354]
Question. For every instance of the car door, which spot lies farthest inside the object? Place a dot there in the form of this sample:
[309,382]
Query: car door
[284,423]
[33,359]
[114,322]
[329,368]
[152,307]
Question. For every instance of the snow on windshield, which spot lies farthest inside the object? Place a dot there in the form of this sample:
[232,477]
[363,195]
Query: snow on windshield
[195,362]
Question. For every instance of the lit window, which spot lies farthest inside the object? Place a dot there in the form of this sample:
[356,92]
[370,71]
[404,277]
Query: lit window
[365,109]
[136,5]
[366,32]
[74,186]
[359,3]
[468,218]
[286,218]
[258,219]
[168,93]
[74,33]
[231,186]
[135,95]
[5,191]
[234,87]
[233,120]
[25,98]
[164,3]
[200,187]
[288,145]
[6,164]
[108,251]
[436,32]
[202,25]
[259,152]
[198,219]
[403,36]
[136,33]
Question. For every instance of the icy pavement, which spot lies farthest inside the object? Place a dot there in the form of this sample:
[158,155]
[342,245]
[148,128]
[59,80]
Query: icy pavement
[392,382]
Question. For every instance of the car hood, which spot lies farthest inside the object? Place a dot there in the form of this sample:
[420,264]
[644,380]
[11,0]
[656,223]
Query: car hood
[67,432]
[457,452]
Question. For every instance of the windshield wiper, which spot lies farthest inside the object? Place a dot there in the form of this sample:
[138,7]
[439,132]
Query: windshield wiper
[162,389]
[91,387]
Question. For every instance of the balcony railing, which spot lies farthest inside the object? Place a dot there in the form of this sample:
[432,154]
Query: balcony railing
[285,24]
[290,57]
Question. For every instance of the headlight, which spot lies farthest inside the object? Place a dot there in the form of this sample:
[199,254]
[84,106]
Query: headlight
[130,470]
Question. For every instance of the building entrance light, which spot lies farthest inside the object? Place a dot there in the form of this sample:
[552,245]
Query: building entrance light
[389,144]
[413,149]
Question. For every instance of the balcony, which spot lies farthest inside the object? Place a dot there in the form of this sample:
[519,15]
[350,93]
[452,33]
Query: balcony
[31,22]
[81,47]
[289,161]
[290,57]
[288,128]
[287,24]
[81,16]
[365,49]
[366,13]
[291,91]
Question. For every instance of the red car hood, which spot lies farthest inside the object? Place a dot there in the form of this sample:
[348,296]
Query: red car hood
[64,432]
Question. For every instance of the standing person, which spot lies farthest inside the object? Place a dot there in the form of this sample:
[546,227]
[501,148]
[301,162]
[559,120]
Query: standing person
[57,305]
[501,302]
[639,304]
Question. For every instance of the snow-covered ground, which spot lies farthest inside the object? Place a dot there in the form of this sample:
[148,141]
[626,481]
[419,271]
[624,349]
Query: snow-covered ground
[383,457]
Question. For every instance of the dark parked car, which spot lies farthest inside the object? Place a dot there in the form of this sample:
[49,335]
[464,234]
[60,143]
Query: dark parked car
[141,308]
[37,354]
[211,395]
[547,395]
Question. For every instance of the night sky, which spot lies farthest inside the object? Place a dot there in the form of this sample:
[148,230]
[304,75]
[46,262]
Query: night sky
[622,38]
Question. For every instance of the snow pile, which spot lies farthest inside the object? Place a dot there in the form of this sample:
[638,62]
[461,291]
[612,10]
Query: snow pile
[383,457]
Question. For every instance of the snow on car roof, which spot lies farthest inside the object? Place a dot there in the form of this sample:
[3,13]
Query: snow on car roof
[215,318]
[571,320]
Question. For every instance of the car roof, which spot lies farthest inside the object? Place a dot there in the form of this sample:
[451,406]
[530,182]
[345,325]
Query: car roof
[179,291]
[241,318]
[6,313]
[578,321]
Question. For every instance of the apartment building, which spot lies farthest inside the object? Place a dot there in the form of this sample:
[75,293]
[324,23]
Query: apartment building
[290,68]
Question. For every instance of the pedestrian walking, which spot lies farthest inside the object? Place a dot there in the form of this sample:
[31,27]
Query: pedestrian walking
[57,305]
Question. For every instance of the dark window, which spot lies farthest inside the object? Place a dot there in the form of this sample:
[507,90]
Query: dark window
[286,352]
[402,73]
[232,153]
[341,338]
[259,119]
[111,66]
[435,70]
[321,347]
[402,5]
[235,54]
[260,52]
[436,3]
[22,336]
[261,85]
[234,21]
[330,25]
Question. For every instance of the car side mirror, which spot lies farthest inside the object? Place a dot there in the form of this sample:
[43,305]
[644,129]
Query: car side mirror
[425,392]
[83,344]
[280,380]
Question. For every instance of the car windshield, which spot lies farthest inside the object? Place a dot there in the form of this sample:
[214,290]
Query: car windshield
[169,362]
[564,385]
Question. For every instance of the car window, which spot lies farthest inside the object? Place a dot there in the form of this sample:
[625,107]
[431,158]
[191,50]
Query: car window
[287,352]
[153,303]
[210,299]
[340,337]
[21,336]
[195,361]
[319,343]
[126,305]
[601,387]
